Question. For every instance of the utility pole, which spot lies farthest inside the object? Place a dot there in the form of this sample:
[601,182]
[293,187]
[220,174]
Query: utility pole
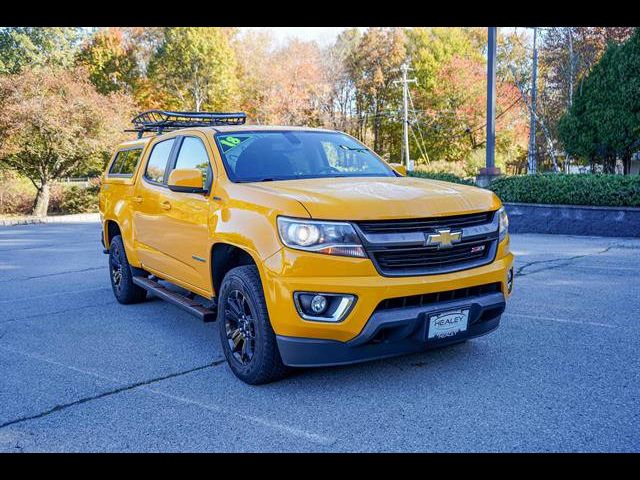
[567,158]
[491,99]
[405,124]
[490,171]
[533,163]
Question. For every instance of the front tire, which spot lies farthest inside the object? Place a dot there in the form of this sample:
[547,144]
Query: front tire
[248,340]
[125,291]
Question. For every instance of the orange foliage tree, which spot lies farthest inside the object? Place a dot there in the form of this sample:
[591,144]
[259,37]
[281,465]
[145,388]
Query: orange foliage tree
[54,122]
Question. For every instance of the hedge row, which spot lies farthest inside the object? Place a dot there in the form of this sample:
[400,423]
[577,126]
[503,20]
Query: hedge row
[444,176]
[559,189]
[563,189]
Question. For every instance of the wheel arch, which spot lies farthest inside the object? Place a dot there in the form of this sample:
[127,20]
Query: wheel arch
[225,256]
[110,230]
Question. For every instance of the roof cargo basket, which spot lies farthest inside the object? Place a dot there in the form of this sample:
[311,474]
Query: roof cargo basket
[160,121]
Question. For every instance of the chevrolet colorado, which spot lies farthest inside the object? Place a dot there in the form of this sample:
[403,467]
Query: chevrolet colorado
[306,247]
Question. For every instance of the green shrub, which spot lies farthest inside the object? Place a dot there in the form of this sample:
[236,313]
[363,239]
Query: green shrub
[77,200]
[563,189]
[441,166]
[444,176]
[17,196]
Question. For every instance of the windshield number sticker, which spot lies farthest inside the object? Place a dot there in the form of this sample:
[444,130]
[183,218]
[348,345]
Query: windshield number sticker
[229,141]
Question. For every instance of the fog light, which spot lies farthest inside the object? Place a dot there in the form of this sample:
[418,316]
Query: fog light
[318,304]
[323,307]
[510,280]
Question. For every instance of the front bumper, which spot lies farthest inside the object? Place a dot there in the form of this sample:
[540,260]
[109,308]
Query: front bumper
[290,271]
[392,332]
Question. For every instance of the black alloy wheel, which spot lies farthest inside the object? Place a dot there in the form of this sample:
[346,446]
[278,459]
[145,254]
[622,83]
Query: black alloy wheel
[240,326]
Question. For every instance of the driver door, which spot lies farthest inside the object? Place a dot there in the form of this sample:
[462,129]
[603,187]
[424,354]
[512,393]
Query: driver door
[184,242]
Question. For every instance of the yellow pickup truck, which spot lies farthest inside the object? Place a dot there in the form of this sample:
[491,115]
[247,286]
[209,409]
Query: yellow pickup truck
[304,245]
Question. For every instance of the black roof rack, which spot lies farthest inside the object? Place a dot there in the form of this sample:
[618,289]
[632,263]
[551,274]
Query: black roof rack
[160,121]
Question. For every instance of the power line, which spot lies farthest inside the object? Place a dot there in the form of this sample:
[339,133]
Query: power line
[423,151]
[405,130]
[480,125]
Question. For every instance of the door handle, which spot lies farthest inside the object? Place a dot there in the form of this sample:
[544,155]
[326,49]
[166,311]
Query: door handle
[165,205]
[137,199]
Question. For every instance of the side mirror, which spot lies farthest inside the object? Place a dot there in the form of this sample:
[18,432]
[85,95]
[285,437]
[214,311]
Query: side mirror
[400,168]
[186,180]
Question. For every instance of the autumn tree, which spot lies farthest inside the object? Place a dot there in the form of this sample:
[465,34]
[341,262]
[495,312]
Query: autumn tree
[296,88]
[445,63]
[195,69]
[450,97]
[374,66]
[145,42]
[339,108]
[281,85]
[604,121]
[566,56]
[431,48]
[37,46]
[53,121]
[254,53]
[111,61]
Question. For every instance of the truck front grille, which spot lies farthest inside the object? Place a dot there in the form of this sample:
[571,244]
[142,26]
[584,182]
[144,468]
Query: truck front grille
[398,247]
[430,257]
[425,224]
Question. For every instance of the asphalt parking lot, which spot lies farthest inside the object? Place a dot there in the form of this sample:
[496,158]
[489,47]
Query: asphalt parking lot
[79,372]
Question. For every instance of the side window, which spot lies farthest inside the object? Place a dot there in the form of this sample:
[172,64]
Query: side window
[157,163]
[193,154]
[125,162]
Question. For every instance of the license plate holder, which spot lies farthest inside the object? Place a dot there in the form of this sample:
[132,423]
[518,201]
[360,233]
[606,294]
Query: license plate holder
[447,324]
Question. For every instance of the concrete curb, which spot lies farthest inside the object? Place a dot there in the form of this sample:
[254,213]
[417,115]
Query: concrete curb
[76,218]
[574,220]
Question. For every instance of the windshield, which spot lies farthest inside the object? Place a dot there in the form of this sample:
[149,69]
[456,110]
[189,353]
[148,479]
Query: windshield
[287,155]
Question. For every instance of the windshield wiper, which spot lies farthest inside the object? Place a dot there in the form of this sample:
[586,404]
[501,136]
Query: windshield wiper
[266,179]
[354,149]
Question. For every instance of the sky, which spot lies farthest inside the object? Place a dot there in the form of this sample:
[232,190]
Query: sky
[325,36]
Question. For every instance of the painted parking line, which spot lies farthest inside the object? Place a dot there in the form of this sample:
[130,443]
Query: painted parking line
[560,320]
[55,294]
[606,267]
[57,312]
[281,428]
[286,429]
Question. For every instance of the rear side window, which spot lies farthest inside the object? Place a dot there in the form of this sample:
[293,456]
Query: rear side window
[125,162]
[157,164]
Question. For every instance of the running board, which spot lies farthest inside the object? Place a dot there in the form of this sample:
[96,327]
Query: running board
[188,304]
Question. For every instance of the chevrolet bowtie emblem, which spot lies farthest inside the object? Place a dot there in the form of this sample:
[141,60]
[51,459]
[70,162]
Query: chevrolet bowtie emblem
[443,238]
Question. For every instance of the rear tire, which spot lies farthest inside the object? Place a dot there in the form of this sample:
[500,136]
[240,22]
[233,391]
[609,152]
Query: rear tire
[248,340]
[125,291]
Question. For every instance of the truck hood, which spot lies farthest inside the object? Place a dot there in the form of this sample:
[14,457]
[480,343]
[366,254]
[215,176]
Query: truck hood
[367,198]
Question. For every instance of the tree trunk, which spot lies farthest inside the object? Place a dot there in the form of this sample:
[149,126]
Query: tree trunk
[571,66]
[376,131]
[626,164]
[42,201]
[539,120]
[610,164]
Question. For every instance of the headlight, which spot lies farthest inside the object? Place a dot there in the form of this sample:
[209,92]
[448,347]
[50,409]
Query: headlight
[331,238]
[504,223]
